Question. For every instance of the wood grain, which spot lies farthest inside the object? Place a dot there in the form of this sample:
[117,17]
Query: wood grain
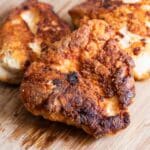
[20,130]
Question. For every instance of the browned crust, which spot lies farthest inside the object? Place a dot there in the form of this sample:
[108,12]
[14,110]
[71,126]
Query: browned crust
[75,95]
[50,27]
[118,15]
[15,37]
[114,12]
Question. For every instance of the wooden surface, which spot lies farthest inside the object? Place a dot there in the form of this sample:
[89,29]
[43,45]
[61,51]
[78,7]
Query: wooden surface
[20,130]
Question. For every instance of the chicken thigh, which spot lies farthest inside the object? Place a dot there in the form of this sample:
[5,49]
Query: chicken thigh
[131,21]
[83,80]
[28,30]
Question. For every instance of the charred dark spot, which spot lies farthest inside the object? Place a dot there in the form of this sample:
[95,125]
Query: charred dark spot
[111,45]
[72,78]
[136,50]
[105,124]
[126,118]
[56,82]
[102,18]
[27,63]
[25,7]
[116,122]
[44,46]
[15,114]
[46,69]
[120,34]
[108,5]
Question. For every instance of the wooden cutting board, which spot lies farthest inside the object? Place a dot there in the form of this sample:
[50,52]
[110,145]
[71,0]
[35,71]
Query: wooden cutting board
[20,130]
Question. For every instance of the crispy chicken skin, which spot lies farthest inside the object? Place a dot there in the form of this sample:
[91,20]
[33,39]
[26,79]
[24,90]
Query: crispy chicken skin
[83,80]
[131,21]
[28,30]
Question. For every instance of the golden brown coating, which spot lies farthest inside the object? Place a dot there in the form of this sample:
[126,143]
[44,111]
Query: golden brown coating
[131,21]
[28,30]
[83,80]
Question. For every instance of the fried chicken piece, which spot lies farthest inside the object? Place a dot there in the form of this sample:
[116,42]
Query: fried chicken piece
[83,80]
[28,30]
[131,21]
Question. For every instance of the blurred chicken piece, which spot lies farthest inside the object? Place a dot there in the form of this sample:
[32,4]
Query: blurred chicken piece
[131,21]
[83,80]
[28,30]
